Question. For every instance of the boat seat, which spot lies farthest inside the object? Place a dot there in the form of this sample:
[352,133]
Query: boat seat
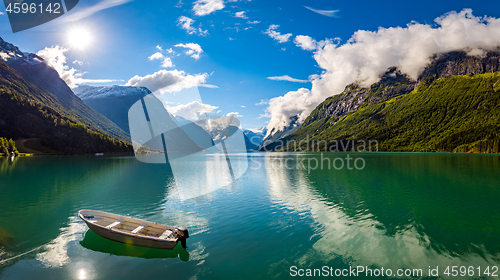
[137,229]
[165,234]
[115,223]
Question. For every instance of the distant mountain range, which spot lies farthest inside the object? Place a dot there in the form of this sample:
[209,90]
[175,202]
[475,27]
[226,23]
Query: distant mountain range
[114,102]
[454,106]
[255,136]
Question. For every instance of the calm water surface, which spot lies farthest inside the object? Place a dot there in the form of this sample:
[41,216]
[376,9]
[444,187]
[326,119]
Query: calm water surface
[400,211]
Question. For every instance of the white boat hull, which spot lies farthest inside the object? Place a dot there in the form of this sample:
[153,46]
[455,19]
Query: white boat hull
[132,231]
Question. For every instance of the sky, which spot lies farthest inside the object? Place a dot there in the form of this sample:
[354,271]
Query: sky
[262,61]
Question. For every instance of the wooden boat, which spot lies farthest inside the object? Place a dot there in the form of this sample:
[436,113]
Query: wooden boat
[133,231]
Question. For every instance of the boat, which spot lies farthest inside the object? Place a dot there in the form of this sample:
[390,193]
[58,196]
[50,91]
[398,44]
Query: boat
[134,231]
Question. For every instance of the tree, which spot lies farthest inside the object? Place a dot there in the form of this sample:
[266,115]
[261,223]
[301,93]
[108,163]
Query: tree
[7,146]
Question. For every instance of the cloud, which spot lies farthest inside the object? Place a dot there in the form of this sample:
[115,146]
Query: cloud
[85,12]
[281,38]
[206,7]
[192,111]
[368,54]
[309,44]
[167,62]
[186,24]
[78,62]
[194,50]
[208,86]
[159,48]
[287,78]
[262,102]
[253,22]
[156,55]
[168,81]
[234,115]
[240,15]
[55,57]
[331,13]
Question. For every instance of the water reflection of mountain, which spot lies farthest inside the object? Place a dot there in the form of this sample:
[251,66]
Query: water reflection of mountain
[414,210]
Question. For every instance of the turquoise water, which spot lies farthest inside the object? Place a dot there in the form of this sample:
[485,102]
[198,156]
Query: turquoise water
[401,211]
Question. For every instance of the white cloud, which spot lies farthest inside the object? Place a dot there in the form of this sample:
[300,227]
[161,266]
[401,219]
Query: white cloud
[234,115]
[192,111]
[328,13]
[309,44]
[242,106]
[253,22]
[167,62]
[287,78]
[186,24]
[368,54]
[281,38]
[156,55]
[168,81]
[208,86]
[240,15]
[194,50]
[85,12]
[206,7]
[78,62]
[262,102]
[159,47]
[55,57]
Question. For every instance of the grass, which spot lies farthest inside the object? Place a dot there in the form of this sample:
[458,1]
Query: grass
[452,114]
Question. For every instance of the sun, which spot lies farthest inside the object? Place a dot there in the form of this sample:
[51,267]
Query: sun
[79,37]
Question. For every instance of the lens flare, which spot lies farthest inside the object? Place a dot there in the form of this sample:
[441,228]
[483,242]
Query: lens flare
[79,37]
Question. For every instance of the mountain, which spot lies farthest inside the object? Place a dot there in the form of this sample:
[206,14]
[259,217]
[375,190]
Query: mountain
[275,134]
[53,92]
[113,102]
[23,117]
[454,106]
[255,136]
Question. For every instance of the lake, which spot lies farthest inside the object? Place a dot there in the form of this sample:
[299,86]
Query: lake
[398,211]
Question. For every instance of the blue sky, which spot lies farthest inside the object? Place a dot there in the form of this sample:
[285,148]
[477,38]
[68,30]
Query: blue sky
[234,61]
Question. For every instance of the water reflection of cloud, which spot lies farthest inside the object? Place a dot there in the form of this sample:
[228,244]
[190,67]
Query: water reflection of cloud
[357,242]
[55,254]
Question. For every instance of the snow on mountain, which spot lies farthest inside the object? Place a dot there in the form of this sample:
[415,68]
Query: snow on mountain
[10,53]
[256,136]
[86,92]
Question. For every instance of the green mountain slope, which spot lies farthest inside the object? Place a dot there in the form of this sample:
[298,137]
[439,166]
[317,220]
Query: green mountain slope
[458,113]
[53,92]
[24,117]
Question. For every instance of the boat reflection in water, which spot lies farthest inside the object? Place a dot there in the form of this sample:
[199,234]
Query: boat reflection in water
[97,243]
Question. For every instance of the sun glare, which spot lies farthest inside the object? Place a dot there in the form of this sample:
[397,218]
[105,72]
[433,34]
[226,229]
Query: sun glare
[79,37]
